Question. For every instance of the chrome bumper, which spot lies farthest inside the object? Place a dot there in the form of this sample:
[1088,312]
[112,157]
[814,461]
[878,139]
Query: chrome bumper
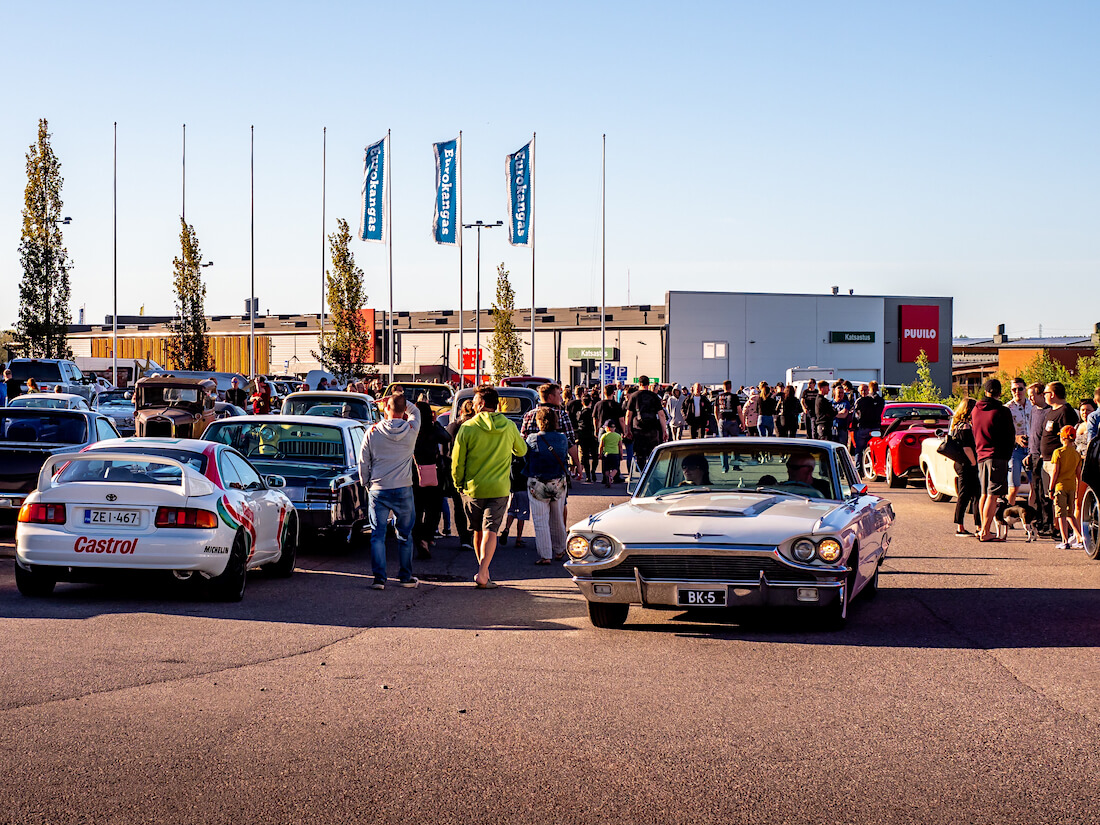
[12,501]
[748,593]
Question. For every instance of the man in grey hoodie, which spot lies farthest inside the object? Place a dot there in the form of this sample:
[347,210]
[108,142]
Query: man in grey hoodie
[385,469]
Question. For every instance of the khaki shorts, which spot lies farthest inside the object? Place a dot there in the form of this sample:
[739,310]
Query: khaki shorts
[1063,504]
[485,514]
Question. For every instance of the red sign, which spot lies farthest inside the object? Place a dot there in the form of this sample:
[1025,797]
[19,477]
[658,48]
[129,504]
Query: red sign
[918,329]
[468,356]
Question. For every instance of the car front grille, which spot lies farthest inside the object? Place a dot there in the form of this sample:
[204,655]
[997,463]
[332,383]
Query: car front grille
[704,568]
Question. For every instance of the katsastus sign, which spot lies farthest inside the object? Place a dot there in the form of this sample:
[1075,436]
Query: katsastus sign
[918,329]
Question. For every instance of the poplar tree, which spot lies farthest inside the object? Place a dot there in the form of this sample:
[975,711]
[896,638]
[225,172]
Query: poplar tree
[348,342]
[189,348]
[44,290]
[505,347]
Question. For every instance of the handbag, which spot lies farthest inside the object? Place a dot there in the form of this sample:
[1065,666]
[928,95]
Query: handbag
[550,490]
[427,475]
[952,449]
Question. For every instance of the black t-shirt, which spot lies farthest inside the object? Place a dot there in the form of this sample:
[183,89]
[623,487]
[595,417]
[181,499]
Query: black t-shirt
[809,400]
[728,404]
[766,406]
[1053,422]
[608,410]
[868,414]
[236,396]
[824,411]
[574,411]
[13,385]
[585,427]
[646,407]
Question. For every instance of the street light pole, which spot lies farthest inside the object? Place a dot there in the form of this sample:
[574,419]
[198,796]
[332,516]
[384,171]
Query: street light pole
[479,225]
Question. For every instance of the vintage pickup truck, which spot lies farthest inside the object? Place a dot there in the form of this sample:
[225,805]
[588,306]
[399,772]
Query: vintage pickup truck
[174,407]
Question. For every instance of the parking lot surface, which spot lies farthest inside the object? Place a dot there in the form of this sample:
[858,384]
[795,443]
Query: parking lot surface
[967,691]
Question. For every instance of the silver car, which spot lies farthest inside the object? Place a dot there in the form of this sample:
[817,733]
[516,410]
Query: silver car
[724,522]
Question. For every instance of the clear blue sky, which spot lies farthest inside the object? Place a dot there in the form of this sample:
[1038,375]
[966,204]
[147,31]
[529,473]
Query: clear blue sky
[942,148]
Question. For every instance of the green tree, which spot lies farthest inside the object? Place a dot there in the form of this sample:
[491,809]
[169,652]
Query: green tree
[345,345]
[189,348]
[505,348]
[44,291]
[924,388]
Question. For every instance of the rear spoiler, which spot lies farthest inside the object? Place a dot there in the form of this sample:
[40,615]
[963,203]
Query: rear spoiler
[193,483]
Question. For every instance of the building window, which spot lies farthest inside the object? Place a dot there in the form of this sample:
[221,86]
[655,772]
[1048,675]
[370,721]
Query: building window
[715,349]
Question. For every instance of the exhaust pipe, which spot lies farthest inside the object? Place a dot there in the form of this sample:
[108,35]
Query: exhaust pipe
[183,575]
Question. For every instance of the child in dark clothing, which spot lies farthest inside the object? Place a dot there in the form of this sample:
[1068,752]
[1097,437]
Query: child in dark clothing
[519,506]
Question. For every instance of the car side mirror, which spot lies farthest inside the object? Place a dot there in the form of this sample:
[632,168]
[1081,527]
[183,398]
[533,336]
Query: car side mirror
[859,489]
[276,482]
[631,486]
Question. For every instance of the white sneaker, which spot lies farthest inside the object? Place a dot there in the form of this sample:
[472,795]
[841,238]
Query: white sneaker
[1061,546]
[1077,545]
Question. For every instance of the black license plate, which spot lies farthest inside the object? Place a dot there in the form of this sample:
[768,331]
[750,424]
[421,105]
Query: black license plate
[702,598]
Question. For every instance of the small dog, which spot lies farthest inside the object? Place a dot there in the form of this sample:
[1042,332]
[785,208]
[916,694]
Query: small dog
[1012,514]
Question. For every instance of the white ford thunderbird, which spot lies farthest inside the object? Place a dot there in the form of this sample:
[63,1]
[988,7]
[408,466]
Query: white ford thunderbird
[723,522]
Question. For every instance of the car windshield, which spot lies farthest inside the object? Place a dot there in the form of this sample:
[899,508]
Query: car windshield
[113,399]
[916,411]
[313,443]
[196,460]
[137,470]
[801,471]
[38,370]
[44,427]
[40,401]
[334,407]
[436,396]
[169,396]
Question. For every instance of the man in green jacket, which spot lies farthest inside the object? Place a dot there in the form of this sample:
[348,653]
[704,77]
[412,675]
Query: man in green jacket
[481,461]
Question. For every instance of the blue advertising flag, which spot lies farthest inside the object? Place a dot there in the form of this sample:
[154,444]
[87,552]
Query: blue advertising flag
[445,228]
[520,202]
[376,182]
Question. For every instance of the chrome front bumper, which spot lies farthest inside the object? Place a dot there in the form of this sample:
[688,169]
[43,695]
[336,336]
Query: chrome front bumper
[747,593]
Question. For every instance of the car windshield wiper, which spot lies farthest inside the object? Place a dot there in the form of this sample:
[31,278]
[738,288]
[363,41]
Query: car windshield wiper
[782,491]
[679,491]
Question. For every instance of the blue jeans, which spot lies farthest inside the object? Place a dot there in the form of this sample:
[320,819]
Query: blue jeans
[400,503]
[1017,468]
[766,425]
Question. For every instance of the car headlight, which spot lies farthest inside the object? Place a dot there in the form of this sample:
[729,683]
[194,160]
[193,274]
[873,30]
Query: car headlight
[577,547]
[829,550]
[803,550]
[601,547]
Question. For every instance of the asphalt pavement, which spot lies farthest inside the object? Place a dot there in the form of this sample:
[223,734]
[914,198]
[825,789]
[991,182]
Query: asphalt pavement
[967,691]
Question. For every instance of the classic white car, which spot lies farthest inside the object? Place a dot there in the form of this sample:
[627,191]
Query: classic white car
[735,521]
[941,481]
[192,508]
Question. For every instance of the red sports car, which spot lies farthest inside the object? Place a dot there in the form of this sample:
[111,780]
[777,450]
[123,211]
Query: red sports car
[894,451]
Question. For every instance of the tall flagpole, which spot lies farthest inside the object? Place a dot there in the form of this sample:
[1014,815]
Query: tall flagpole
[531,229]
[389,243]
[252,280]
[461,317]
[324,170]
[603,259]
[183,207]
[114,313]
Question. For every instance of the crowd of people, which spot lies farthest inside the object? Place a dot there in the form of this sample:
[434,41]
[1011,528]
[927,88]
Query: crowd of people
[1037,438]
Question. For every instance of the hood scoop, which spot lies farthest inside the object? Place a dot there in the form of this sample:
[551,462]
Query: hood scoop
[723,512]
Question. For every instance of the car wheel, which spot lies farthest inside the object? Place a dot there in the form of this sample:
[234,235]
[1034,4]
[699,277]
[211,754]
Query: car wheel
[33,584]
[893,480]
[229,586]
[608,615]
[869,466]
[930,487]
[284,567]
[1090,520]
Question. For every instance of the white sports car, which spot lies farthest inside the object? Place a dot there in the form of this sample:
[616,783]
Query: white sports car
[193,508]
[723,522]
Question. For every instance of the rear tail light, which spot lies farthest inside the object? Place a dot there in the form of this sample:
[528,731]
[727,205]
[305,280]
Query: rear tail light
[186,517]
[321,494]
[909,439]
[42,513]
